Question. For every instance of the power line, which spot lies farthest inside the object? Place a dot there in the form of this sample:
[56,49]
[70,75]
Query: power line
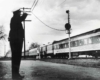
[33,6]
[47,25]
[61,3]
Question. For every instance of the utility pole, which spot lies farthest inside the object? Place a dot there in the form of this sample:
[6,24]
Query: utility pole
[24,27]
[68,27]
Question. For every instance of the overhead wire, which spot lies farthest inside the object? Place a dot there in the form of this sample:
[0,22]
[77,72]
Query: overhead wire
[46,24]
[32,8]
[62,3]
[34,4]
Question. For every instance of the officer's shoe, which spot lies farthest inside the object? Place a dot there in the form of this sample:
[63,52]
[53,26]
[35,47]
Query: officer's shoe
[20,76]
[17,77]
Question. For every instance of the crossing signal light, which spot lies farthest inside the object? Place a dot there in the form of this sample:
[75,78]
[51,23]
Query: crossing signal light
[67,26]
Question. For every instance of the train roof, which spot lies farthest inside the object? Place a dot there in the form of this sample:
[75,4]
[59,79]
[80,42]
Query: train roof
[85,33]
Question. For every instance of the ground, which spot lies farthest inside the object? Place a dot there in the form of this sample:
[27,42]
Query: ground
[40,70]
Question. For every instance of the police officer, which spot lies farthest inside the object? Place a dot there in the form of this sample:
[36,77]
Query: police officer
[16,36]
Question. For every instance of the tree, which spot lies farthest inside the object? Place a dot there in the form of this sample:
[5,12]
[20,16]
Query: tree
[2,34]
[34,45]
[8,54]
[2,37]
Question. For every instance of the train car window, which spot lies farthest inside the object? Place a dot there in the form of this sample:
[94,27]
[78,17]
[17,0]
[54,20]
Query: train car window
[49,47]
[54,46]
[85,41]
[63,45]
[81,42]
[90,40]
[60,46]
[96,39]
[66,45]
[57,46]
[76,43]
[72,44]
[99,38]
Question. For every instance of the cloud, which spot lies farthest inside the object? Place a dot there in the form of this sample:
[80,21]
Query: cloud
[83,13]
[84,9]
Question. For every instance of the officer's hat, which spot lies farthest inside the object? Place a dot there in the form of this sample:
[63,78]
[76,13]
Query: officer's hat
[17,11]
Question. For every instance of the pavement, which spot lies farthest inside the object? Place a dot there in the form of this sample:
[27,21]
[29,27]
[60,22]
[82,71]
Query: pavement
[40,70]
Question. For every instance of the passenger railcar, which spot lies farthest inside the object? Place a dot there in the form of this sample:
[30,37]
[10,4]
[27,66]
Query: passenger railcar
[87,43]
[43,51]
[50,51]
[34,52]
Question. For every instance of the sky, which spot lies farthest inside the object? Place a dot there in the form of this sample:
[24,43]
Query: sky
[84,16]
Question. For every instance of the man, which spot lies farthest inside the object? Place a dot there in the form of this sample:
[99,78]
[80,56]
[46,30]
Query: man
[16,36]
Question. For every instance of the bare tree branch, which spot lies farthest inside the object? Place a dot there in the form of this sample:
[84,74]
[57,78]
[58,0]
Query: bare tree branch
[2,34]
[34,45]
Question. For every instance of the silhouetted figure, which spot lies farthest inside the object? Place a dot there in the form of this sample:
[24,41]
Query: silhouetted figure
[16,36]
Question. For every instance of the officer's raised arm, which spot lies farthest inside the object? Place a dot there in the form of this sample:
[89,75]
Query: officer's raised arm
[23,17]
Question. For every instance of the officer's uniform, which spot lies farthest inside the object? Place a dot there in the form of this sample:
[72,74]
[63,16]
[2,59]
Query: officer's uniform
[16,36]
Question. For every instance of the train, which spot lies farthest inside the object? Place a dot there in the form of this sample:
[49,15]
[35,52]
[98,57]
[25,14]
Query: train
[87,43]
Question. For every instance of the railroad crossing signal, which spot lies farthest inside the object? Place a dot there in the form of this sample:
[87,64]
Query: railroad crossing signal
[68,27]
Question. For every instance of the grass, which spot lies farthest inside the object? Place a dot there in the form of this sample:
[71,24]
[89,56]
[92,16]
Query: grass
[78,62]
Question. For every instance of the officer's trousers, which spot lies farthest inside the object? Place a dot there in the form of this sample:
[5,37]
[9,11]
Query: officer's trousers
[16,49]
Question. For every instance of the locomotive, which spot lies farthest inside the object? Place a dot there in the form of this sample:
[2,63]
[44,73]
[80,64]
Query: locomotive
[87,43]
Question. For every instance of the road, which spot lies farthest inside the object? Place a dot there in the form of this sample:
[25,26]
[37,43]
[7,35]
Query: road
[39,70]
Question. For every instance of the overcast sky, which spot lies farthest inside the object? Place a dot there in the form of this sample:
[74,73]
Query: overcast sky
[84,16]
